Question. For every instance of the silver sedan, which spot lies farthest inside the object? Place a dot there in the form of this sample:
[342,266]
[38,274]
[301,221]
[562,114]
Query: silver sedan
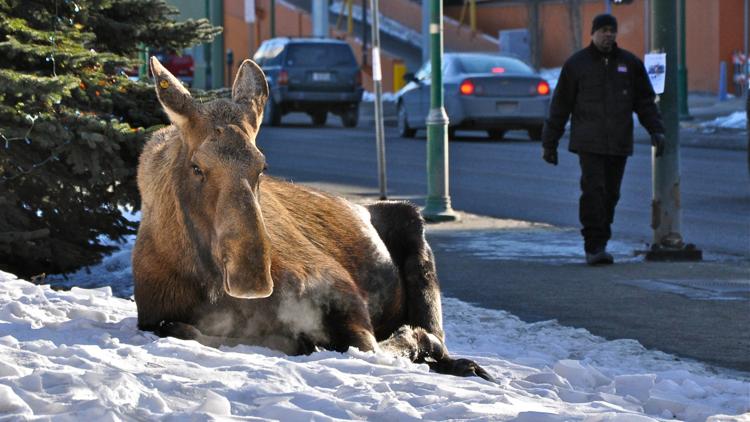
[483,91]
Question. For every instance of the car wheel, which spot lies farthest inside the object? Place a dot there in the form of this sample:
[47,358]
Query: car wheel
[403,123]
[496,134]
[319,118]
[271,114]
[535,133]
[350,117]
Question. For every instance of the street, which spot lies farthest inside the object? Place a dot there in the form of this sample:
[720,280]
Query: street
[508,179]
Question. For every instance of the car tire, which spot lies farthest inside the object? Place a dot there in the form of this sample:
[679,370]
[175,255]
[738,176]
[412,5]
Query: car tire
[496,134]
[535,133]
[403,123]
[350,117]
[271,114]
[319,118]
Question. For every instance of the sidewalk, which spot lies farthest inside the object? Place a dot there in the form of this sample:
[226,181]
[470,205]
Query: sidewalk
[698,310]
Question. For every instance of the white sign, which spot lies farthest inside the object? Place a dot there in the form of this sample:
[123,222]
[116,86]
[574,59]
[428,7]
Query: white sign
[249,11]
[376,73]
[656,66]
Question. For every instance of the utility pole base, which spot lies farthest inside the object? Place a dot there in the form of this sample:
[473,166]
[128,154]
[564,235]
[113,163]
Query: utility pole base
[438,211]
[687,252]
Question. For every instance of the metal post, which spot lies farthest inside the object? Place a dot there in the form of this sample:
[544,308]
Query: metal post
[272,18]
[607,6]
[320,18]
[438,202]
[364,33]
[425,30]
[665,207]
[682,69]
[377,80]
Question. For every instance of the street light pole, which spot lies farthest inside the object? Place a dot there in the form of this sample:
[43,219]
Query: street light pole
[682,69]
[666,216]
[438,202]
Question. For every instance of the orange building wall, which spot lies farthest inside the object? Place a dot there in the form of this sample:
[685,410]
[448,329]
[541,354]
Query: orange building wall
[702,40]
[730,32]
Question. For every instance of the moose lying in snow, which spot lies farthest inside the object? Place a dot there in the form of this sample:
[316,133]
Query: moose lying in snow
[226,254]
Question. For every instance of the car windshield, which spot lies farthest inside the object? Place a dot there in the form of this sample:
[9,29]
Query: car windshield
[320,55]
[493,64]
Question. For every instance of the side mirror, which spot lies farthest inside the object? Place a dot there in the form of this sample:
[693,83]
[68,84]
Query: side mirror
[409,77]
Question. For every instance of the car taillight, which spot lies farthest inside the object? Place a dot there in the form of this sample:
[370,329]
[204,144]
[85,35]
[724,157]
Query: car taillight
[542,88]
[283,77]
[466,87]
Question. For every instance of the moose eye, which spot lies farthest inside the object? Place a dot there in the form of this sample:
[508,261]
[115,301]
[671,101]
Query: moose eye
[197,170]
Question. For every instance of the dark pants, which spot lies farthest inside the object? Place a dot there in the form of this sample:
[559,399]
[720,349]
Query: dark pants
[601,176]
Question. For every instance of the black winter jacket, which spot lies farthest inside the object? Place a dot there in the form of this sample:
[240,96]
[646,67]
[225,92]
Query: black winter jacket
[601,91]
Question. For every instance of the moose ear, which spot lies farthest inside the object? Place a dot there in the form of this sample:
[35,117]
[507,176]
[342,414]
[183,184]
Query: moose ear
[176,100]
[251,90]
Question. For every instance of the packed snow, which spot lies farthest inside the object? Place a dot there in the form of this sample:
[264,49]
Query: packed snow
[78,355]
[736,120]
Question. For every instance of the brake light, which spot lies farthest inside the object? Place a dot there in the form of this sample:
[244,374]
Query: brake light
[542,88]
[283,78]
[467,87]
[498,69]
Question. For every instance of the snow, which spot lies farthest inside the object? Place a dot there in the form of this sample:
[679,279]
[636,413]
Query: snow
[77,354]
[736,120]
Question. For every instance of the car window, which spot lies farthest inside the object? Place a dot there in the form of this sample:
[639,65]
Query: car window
[259,56]
[273,54]
[424,72]
[492,64]
[320,55]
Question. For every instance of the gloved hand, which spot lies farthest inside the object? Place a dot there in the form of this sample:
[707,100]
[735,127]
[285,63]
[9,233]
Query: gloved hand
[657,141]
[550,156]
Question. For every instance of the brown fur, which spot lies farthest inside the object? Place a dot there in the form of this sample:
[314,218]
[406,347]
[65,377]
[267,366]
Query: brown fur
[227,255]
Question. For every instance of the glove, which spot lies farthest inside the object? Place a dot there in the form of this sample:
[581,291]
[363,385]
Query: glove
[550,156]
[657,141]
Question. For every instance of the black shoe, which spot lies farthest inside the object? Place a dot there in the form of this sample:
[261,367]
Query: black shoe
[599,258]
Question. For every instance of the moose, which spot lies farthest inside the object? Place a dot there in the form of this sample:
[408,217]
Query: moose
[226,254]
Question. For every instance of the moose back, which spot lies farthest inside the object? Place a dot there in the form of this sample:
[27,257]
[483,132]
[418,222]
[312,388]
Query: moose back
[226,254]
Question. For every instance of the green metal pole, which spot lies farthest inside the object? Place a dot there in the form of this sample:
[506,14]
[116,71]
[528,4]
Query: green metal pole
[682,69]
[438,202]
[665,212]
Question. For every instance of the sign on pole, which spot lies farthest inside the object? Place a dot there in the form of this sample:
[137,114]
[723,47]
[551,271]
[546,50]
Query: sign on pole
[656,66]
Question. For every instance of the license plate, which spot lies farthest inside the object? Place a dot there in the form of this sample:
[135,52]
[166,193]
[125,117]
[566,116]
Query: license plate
[321,76]
[506,106]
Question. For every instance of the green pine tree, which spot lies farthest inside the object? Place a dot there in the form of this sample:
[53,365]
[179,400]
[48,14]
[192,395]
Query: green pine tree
[72,124]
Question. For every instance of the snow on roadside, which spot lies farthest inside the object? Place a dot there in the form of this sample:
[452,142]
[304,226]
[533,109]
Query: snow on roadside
[736,120]
[78,355]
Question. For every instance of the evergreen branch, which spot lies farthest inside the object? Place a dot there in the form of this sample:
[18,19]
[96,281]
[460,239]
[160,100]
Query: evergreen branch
[8,237]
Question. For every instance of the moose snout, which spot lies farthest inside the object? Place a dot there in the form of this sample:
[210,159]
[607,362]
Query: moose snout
[243,247]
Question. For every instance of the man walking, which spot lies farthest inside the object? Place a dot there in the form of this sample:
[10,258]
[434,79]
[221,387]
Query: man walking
[601,86]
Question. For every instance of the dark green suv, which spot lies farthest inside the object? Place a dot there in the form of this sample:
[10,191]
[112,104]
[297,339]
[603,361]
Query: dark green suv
[311,75]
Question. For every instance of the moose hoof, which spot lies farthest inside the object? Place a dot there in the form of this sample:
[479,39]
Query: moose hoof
[177,330]
[461,368]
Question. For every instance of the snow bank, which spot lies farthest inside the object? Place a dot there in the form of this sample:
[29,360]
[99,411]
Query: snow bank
[736,120]
[78,355]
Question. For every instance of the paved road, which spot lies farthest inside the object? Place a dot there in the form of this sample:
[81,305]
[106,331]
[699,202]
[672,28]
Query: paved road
[509,180]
